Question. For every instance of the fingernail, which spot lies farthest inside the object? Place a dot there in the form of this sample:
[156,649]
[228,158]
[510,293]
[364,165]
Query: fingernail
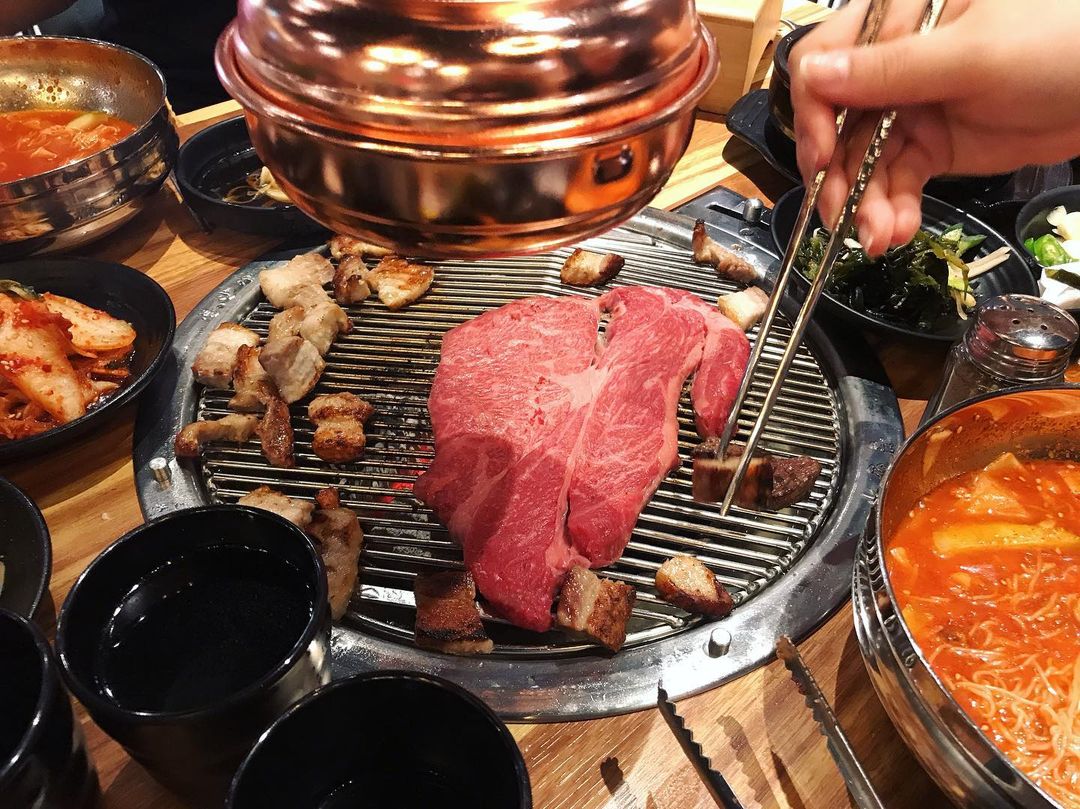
[826,66]
[866,239]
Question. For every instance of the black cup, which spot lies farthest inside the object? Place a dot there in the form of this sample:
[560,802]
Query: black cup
[188,636]
[43,761]
[393,739]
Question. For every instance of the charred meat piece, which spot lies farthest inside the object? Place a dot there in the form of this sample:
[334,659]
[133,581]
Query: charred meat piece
[770,482]
[337,533]
[599,608]
[349,284]
[213,365]
[727,263]
[253,386]
[399,282]
[447,618]
[342,245]
[276,434]
[294,364]
[322,323]
[300,282]
[584,268]
[296,511]
[688,584]
[744,308]
[339,426]
[193,437]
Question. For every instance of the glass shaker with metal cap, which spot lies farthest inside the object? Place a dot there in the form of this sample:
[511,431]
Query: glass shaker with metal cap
[1013,340]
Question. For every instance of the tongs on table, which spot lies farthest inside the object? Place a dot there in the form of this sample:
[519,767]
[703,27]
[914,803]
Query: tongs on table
[871,27]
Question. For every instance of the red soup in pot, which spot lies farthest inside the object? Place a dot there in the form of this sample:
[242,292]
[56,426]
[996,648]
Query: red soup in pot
[35,141]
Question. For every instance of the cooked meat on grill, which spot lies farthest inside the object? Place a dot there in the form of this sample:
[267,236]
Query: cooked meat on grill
[293,364]
[599,608]
[285,324]
[728,264]
[342,245]
[771,482]
[339,426]
[252,385]
[447,618]
[276,434]
[349,284]
[296,511]
[745,308]
[300,282]
[339,539]
[322,323]
[213,365]
[399,282]
[688,584]
[584,268]
[193,437]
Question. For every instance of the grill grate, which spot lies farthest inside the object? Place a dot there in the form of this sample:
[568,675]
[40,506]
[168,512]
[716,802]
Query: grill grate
[390,359]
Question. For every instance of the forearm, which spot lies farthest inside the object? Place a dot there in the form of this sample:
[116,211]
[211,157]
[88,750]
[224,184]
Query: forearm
[16,15]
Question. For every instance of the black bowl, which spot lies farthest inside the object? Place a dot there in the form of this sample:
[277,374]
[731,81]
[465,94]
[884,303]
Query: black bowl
[25,552]
[1013,275]
[122,292]
[1031,221]
[399,739]
[220,157]
[780,87]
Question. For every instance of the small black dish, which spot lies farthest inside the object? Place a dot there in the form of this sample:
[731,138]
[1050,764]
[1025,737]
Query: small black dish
[1012,275]
[220,158]
[43,760]
[122,292]
[25,552]
[780,85]
[393,739]
[189,635]
[1031,221]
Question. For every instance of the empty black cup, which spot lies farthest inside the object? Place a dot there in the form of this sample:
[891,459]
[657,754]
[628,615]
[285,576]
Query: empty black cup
[188,636]
[43,762]
[393,739]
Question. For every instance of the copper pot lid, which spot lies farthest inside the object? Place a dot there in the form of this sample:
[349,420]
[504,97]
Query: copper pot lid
[456,72]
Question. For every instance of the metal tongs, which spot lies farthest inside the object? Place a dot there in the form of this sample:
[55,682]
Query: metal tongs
[871,27]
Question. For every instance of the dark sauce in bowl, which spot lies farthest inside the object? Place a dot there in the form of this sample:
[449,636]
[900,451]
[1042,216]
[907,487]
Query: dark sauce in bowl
[197,630]
[233,179]
[394,790]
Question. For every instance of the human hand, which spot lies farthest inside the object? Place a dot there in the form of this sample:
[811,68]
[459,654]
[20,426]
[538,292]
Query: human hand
[994,87]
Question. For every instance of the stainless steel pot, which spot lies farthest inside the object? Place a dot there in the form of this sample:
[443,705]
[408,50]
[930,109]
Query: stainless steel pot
[468,127]
[72,205]
[1036,422]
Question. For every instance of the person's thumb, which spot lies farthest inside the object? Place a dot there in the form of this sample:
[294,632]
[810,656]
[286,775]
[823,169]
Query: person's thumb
[916,69]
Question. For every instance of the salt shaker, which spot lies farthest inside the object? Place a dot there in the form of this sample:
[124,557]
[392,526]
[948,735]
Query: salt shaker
[1013,340]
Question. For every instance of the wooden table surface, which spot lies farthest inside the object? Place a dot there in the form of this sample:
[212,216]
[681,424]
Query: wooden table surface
[756,729]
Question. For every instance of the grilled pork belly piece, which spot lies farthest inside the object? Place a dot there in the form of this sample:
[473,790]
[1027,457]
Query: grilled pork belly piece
[339,426]
[688,584]
[213,365]
[285,324]
[349,284]
[193,437]
[399,282]
[337,534]
[296,511]
[322,323]
[599,608]
[447,618]
[276,434]
[342,245]
[727,263]
[300,282]
[744,308]
[252,385]
[770,482]
[294,365]
[583,268]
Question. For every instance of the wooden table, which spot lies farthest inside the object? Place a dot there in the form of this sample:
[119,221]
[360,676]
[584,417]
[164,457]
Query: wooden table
[756,729]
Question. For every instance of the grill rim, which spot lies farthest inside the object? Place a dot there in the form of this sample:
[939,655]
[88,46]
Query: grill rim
[568,687]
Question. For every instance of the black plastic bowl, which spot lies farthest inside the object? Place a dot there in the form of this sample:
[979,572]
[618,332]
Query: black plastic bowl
[122,292]
[222,154]
[25,551]
[398,739]
[1012,275]
[1031,221]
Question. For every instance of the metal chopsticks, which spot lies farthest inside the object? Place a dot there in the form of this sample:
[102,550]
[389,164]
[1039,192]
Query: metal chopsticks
[871,27]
